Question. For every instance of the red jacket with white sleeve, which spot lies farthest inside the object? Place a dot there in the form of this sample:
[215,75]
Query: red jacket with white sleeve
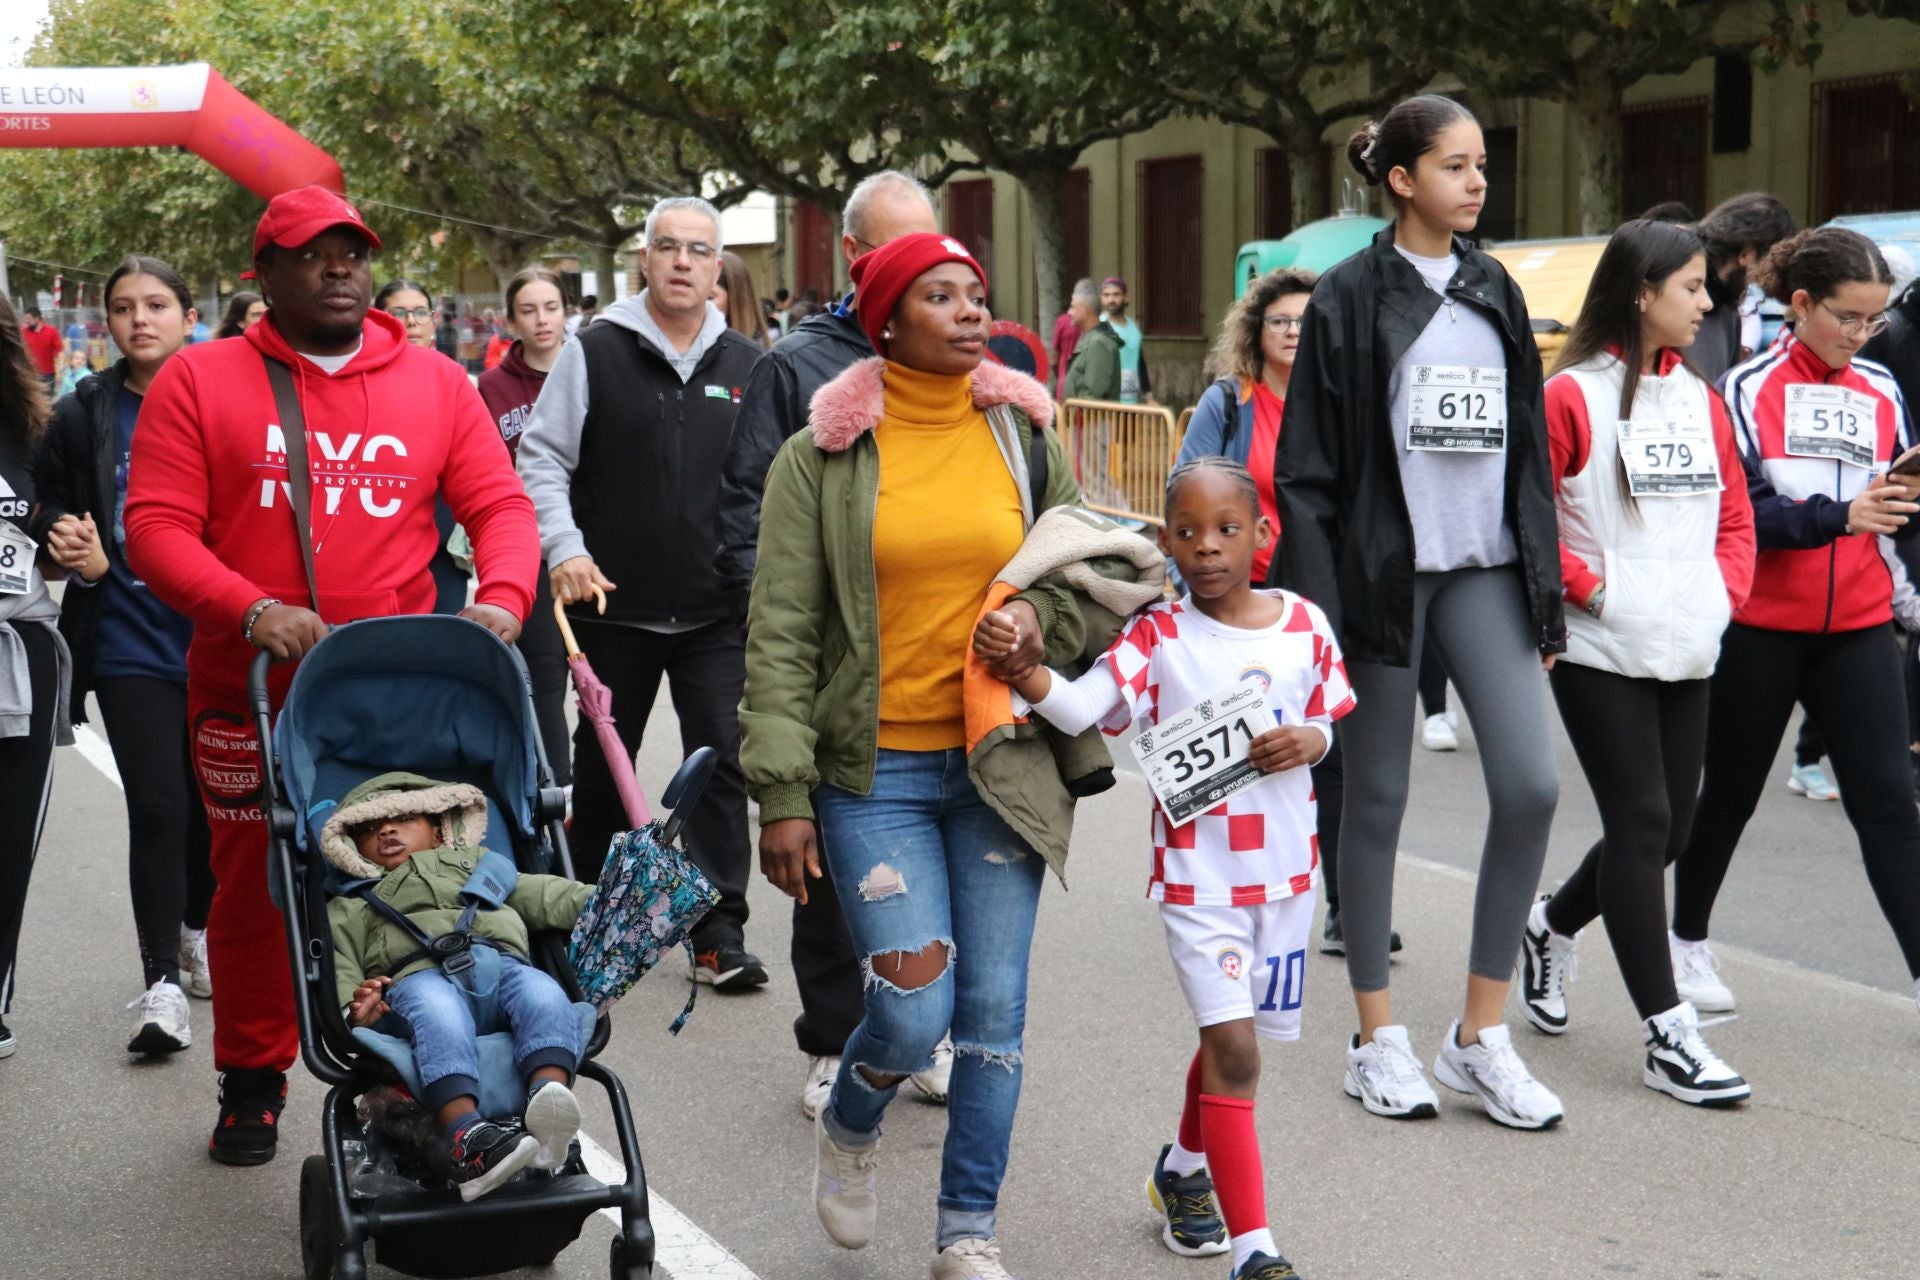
[210,525]
[1811,574]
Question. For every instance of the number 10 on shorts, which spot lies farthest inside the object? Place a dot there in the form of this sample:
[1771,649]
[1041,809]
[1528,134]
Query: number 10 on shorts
[1286,980]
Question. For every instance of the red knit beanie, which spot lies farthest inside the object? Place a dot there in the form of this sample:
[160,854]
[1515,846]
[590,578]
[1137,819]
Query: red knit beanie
[881,275]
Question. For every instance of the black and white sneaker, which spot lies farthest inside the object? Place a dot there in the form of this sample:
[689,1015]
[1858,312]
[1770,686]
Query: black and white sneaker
[1548,962]
[1679,1062]
[486,1154]
[8,1041]
[729,967]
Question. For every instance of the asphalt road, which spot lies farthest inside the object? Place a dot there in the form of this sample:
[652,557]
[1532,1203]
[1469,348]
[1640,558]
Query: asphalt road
[103,1171]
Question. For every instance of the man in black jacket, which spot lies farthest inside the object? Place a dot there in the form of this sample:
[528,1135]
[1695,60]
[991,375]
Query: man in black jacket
[622,456]
[881,208]
[1737,232]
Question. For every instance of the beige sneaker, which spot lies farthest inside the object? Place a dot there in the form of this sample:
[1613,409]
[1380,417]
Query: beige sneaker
[970,1260]
[933,1083]
[843,1189]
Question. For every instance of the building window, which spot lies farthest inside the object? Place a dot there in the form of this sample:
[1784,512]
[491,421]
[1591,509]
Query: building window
[813,256]
[1866,140]
[970,218]
[1272,194]
[1172,261]
[1663,146]
[1076,217]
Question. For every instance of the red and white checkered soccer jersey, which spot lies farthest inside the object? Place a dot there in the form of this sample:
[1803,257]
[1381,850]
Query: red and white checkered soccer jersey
[1260,844]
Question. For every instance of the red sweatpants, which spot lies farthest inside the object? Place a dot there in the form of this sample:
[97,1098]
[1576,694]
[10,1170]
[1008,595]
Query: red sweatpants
[253,1018]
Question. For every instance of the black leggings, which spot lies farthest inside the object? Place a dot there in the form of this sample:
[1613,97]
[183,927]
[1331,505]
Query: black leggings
[1641,744]
[1849,682]
[1330,795]
[168,841]
[1433,678]
[26,780]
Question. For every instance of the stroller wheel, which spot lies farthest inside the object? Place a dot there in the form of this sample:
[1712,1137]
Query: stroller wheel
[318,1239]
[626,1262]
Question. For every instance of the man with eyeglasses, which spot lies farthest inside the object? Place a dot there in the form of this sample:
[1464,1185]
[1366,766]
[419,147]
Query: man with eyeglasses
[622,456]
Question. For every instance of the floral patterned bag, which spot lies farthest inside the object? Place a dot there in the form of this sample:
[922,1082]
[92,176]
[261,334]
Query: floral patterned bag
[647,901]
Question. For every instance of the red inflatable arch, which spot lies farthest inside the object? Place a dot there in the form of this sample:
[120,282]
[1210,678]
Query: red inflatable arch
[187,106]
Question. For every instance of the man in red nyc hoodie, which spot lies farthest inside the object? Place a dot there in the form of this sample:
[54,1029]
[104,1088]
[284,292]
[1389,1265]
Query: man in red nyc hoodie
[210,527]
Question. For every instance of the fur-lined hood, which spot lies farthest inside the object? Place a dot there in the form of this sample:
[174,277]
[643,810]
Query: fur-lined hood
[854,402]
[460,807]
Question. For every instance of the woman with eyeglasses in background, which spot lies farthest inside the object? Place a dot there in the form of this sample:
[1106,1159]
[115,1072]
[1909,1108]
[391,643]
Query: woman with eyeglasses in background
[1822,435]
[412,306]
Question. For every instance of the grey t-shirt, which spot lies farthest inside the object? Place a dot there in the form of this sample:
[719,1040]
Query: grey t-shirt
[1457,501]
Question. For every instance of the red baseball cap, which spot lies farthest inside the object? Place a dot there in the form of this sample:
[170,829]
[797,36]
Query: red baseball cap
[295,217]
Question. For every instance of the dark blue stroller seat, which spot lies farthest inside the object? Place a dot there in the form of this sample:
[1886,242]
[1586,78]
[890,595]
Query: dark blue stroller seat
[442,697]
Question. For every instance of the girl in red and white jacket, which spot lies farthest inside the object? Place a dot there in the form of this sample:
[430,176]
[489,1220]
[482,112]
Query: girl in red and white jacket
[1656,550]
[1822,434]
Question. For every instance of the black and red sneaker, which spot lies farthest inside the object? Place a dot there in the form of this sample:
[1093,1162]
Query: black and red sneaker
[486,1153]
[251,1099]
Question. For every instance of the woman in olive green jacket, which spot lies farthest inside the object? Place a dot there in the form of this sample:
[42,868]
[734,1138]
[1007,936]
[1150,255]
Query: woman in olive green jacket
[884,524]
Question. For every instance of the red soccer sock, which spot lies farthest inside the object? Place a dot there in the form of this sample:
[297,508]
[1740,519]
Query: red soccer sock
[1233,1158]
[1190,1136]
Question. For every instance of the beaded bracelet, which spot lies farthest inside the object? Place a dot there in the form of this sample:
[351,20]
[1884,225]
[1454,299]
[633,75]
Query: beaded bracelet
[253,615]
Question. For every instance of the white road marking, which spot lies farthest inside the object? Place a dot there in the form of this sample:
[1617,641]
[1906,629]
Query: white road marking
[683,1250]
[98,753]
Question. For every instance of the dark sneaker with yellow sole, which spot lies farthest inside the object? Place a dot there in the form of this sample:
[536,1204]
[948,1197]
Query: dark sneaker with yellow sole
[1194,1228]
[251,1099]
[1266,1266]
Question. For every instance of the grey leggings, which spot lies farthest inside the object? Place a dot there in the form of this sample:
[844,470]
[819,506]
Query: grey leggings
[1479,617]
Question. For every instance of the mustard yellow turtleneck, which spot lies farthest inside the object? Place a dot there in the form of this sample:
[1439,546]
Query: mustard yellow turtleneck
[947,520]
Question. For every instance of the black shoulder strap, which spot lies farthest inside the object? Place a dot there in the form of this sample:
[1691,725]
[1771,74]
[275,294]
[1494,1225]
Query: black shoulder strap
[1037,478]
[293,429]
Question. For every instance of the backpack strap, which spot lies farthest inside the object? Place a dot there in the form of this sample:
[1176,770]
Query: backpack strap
[1229,389]
[293,430]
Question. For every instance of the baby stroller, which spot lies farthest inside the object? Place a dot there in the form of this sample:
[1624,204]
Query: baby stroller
[443,697]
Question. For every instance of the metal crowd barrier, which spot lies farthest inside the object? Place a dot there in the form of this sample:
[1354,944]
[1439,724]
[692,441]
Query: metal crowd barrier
[1121,454]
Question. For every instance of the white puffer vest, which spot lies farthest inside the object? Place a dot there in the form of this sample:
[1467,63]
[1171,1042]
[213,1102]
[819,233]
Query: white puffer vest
[1666,603]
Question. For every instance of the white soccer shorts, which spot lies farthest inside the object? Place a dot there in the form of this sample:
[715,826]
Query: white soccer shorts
[1243,962]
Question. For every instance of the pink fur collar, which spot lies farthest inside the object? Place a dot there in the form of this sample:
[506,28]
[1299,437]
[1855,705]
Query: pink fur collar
[855,401]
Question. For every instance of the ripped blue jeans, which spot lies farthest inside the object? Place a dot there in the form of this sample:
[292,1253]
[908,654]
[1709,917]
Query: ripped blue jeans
[921,861]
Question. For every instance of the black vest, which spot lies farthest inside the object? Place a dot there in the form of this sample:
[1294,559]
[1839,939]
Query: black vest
[647,486]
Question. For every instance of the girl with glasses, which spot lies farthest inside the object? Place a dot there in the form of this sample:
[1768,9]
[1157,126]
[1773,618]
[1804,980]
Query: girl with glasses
[1822,434]
[408,303]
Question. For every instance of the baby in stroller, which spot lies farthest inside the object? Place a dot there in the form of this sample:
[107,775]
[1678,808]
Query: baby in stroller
[431,943]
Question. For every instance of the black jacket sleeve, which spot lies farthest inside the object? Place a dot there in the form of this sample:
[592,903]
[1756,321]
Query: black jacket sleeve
[60,473]
[770,411]
[1308,466]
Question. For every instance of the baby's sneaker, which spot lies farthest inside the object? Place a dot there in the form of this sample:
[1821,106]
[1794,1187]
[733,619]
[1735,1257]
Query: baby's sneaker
[553,1117]
[482,1156]
[196,976]
[161,1025]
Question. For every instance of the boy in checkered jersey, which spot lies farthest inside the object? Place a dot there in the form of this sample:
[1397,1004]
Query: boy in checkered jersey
[1235,884]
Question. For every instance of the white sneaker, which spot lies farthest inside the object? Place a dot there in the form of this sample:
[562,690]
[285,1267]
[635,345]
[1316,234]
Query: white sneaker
[844,1194]
[1492,1072]
[1810,780]
[1696,975]
[196,976]
[1680,1063]
[1385,1076]
[161,1026]
[970,1260]
[553,1116]
[1548,962]
[934,1081]
[821,1073]
[1437,734]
